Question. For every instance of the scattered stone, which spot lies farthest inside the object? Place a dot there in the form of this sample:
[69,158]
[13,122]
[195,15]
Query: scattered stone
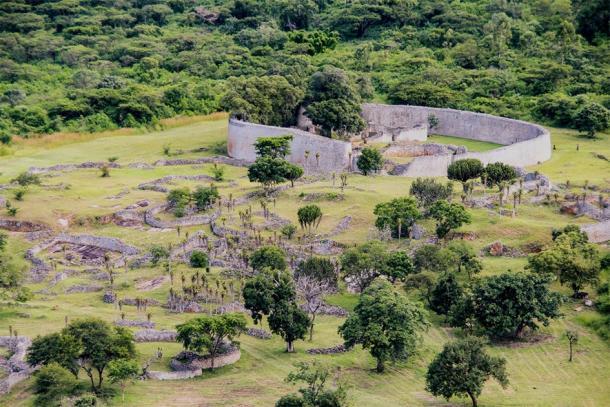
[235,306]
[148,285]
[258,333]
[588,303]
[134,323]
[192,307]
[84,289]
[327,351]
[152,335]
[418,232]
[109,297]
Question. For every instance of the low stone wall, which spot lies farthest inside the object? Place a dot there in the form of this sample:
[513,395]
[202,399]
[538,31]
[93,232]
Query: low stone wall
[334,155]
[231,356]
[108,243]
[17,368]
[151,219]
[524,143]
[153,335]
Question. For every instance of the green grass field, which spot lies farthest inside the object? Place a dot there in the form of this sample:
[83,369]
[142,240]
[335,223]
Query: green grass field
[539,373]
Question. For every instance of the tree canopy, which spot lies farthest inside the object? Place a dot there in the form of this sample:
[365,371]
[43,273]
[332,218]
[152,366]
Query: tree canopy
[386,323]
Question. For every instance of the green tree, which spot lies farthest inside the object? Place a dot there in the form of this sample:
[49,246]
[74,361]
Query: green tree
[428,190]
[398,266]
[316,377]
[430,257]
[292,172]
[504,305]
[464,171]
[466,258]
[362,264]
[497,174]
[592,118]
[289,321]
[121,371]
[205,197]
[318,268]
[99,345]
[462,368]
[52,383]
[448,216]
[370,160]
[571,259]
[268,257]
[199,259]
[270,171]
[55,348]
[446,293]
[274,147]
[265,290]
[386,323]
[309,217]
[269,100]
[209,333]
[399,215]
[333,102]
[12,276]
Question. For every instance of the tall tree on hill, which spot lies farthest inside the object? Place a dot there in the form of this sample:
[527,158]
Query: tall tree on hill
[386,323]
[462,368]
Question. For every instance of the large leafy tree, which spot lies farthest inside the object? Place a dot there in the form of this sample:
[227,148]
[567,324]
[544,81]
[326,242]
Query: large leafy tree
[464,171]
[466,258]
[592,118]
[385,322]
[89,344]
[446,293]
[504,305]
[399,215]
[462,368]
[429,190]
[289,321]
[399,266]
[274,147]
[209,333]
[318,268]
[362,264]
[333,102]
[270,100]
[448,216]
[571,259]
[271,257]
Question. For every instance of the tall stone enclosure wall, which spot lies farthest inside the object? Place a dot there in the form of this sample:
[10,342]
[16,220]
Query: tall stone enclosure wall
[334,155]
[524,143]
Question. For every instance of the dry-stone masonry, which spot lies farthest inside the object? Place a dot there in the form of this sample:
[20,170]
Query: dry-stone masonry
[523,143]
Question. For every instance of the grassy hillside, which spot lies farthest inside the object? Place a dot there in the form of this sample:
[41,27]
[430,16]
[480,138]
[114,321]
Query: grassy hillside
[538,372]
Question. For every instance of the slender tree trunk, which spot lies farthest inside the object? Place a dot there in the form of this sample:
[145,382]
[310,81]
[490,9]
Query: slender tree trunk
[473,398]
[100,372]
[90,374]
[313,318]
[570,351]
[380,365]
[289,346]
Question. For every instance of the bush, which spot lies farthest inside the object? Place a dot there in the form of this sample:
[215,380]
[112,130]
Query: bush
[428,190]
[52,383]
[158,253]
[205,197]
[87,400]
[288,230]
[268,257]
[218,172]
[370,160]
[27,178]
[592,118]
[179,197]
[199,259]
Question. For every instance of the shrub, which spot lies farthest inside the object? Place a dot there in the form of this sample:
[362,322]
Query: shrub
[199,259]
[309,217]
[205,197]
[158,253]
[19,194]
[465,170]
[268,256]
[105,171]
[27,178]
[428,190]
[52,383]
[370,160]
[218,172]
[288,230]
[592,118]
[179,197]
[498,173]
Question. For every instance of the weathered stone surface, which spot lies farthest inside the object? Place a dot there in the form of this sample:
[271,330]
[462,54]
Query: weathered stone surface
[259,333]
[134,323]
[79,288]
[153,335]
[327,351]
[16,367]
[109,297]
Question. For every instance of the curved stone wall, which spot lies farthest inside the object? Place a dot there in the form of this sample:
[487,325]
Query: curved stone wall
[334,155]
[524,143]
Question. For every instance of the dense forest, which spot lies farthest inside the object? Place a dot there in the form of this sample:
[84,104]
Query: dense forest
[91,65]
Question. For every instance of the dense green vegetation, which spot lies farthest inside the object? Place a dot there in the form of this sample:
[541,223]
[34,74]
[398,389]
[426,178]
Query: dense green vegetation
[97,64]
